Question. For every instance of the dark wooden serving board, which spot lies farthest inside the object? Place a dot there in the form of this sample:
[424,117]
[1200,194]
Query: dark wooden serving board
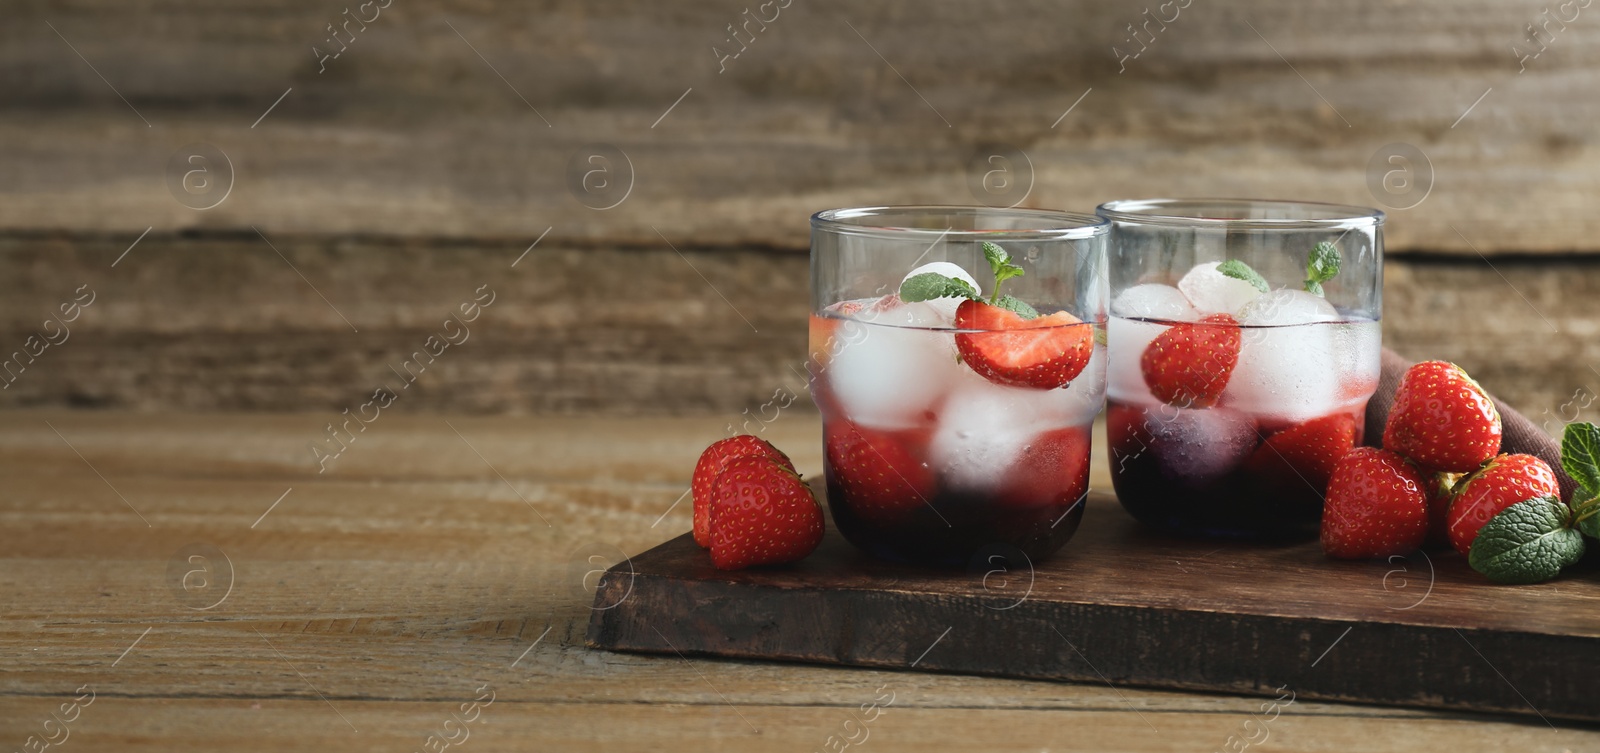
[1125,606]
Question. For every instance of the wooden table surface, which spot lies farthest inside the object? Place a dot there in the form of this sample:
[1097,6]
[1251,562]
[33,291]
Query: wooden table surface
[200,586]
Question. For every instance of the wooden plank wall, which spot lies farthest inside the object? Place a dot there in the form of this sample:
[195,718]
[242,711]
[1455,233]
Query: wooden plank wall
[447,136]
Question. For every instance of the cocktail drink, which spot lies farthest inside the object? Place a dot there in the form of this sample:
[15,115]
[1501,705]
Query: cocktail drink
[958,360]
[1243,347]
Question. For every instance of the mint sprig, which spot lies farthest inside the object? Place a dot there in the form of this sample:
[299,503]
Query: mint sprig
[1239,270]
[931,285]
[1321,266]
[1532,540]
[1000,264]
[1528,542]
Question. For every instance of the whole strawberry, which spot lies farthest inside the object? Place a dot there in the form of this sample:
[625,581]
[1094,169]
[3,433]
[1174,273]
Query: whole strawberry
[1376,506]
[1188,364]
[1503,482]
[712,462]
[1305,453]
[1442,419]
[879,474]
[761,514]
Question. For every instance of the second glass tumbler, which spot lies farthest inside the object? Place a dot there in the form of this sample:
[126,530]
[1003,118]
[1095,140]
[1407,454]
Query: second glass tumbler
[1243,344]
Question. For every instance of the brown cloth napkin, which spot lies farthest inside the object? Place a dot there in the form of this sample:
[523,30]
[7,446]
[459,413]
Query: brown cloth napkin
[1520,435]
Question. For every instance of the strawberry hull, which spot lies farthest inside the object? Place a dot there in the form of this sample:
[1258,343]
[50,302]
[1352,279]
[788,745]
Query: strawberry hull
[1200,472]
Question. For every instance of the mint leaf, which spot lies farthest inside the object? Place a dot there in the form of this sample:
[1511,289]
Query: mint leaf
[1239,270]
[1580,456]
[1588,517]
[1016,307]
[996,255]
[1000,264]
[1321,266]
[930,285]
[1528,542]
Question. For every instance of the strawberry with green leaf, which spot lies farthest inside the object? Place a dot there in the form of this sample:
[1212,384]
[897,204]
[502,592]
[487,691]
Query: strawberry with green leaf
[1502,482]
[1532,540]
[1008,343]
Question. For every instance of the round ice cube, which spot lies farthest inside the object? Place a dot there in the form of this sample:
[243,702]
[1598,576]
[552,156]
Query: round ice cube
[1198,446]
[895,373]
[982,430]
[945,306]
[1212,292]
[1289,368]
[1153,301]
[983,427]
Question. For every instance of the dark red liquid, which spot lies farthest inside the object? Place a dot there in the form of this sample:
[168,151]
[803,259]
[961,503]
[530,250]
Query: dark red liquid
[945,525]
[1223,500]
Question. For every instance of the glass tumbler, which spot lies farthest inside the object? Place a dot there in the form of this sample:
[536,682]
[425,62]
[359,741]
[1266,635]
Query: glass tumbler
[958,360]
[1243,343]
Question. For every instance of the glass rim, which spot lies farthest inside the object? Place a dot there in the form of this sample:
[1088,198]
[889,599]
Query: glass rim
[1054,224]
[1309,214]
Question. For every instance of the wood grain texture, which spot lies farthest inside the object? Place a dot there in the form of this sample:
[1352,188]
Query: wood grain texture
[1417,630]
[223,322]
[386,591]
[460,119]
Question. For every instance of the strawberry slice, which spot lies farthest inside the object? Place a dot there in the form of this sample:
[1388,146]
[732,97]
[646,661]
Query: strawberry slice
[880,474]
[1188,365]
[1043,353]
[762,514]
[1052,471]
[1308,451]
[712,461]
